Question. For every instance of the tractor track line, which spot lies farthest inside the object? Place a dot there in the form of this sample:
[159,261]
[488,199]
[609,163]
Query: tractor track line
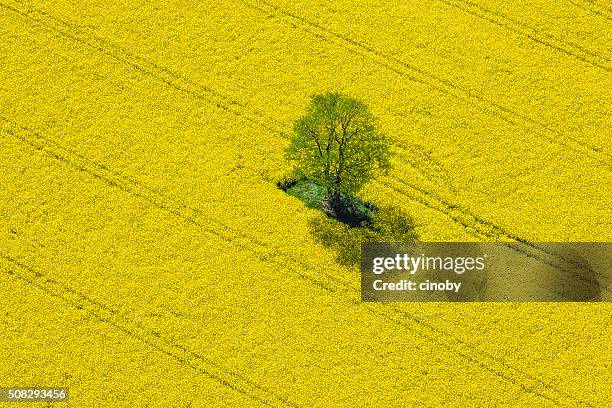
[501,20]
[435,334]
[482,229]
[105,314]
[191,215]
[145,67]
[594,8]
[140,191]
[228,104]
[183,83]
[54,288]
[102,313]
[140,64]
[603,6]
[486,230]
[162,202]
[180,89]
[442,85]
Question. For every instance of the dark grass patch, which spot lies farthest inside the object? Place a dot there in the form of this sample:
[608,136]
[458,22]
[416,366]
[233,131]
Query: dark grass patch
[310,193]
[349,210]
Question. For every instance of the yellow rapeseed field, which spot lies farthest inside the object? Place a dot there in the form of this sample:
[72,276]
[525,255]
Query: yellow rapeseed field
[147,257]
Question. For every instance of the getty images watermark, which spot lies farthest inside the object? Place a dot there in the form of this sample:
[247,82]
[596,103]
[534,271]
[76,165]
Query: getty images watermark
[419,263]
[452,271]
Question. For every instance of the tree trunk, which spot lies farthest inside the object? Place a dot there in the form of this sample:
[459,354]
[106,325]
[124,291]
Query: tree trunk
[335,200]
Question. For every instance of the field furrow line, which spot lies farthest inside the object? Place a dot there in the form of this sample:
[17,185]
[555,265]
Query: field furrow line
[108,315]
[598,4]
[176,213]
[415,155]
[244,385]
[516,26]
[495,365]
[238,382]
[189,215]
[173,80]
[595,8]
[440,84]
[180,84]
[448,341]
[487,231]
[396,65]
[475,225]
[144,66]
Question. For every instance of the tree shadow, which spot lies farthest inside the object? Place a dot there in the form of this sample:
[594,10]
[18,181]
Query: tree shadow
[350,221]
[385,224]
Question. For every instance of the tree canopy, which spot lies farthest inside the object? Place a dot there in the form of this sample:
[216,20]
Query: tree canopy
[337,145]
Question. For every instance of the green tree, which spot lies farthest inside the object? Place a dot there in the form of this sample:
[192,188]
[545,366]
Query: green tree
[336,144]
